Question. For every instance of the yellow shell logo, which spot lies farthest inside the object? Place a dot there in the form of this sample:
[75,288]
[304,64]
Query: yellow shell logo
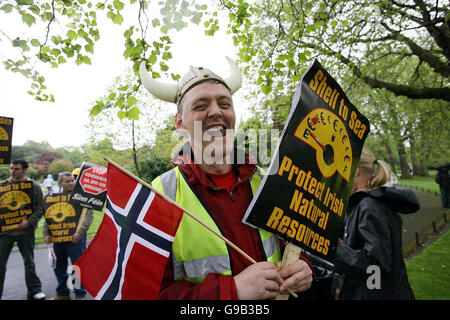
[13,200]
[326,133]
[3,134]
[59,211]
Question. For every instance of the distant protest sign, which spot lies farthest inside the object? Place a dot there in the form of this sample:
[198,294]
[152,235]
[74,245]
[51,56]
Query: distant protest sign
[16,204]
[61,216]
[304,196]
[6,128]
[90,187]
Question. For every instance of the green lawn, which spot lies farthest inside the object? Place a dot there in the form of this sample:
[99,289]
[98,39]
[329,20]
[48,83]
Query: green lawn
[422,183]
[428,272]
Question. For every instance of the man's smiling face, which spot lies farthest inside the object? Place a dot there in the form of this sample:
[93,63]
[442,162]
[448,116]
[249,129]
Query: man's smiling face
[208,117]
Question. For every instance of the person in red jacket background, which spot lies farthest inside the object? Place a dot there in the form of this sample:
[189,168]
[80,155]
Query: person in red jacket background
[208,165]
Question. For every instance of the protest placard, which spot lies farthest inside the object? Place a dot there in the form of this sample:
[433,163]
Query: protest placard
[61,216]
[16,204]
[6,129]
[90,187]
[304,196]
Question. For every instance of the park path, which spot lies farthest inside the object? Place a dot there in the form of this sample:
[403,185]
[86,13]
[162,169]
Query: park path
[430,210]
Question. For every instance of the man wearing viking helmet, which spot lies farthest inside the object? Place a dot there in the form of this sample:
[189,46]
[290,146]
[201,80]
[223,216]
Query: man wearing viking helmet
[210,182]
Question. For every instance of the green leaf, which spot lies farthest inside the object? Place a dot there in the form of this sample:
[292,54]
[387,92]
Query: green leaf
[7,8]
[167,56]
[121,114]
[28,19]
[35,42]
[72,35]
[96,110]
[266,89]
[89,48]
[34,8]
[118,5]
[131,101]
[133,113]
[117,18]
[155,23]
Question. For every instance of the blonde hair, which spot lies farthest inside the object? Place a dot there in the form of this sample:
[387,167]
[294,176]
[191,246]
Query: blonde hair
[377,176]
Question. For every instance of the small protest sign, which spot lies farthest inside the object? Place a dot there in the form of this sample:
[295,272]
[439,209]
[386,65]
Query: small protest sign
[90,187]
[16,204]
[304,196]
[61,216]
[6,128]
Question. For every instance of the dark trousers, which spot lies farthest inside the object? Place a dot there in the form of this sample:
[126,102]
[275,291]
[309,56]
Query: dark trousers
[25,243]
[445,196]
[64,251]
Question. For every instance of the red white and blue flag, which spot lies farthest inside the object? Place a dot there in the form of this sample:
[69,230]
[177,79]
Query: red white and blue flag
[127,257]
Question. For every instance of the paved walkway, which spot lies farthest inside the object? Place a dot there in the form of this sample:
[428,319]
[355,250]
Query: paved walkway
[14,286]
[15,289]
[430,210]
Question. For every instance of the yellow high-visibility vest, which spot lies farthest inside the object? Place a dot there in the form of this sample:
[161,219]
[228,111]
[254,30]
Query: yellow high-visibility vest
[196,250]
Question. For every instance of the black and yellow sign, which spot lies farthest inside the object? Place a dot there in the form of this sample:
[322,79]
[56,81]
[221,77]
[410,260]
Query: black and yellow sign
[61,217]
[6,128]
[304,197]
[16,204]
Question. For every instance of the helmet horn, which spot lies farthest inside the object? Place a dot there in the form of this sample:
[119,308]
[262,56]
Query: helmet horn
[234,80]
[161,90]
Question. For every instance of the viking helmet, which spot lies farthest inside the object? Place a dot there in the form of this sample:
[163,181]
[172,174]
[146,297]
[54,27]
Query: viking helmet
[174,92]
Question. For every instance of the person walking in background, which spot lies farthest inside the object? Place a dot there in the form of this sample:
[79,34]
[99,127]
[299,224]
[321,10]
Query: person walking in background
[48,183]
[443,180]
[23,234]
[72,249]
[372,240]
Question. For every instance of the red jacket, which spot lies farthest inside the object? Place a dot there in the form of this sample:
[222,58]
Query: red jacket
[227,209]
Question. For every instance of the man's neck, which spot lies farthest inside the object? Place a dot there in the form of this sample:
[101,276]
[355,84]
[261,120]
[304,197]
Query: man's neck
[14,180]
[215,168]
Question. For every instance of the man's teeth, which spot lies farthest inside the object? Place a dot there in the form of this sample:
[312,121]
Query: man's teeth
[215,131]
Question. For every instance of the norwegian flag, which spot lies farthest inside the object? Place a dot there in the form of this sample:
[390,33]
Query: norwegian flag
[127,257]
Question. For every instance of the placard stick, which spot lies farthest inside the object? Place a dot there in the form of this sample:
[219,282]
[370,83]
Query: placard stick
[82,216]
[291,254]
[231,244]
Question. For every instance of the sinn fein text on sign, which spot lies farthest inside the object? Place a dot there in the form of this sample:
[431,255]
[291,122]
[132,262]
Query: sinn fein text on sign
[90,187]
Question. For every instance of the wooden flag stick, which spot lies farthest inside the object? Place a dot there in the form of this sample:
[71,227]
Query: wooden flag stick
[82,216]
[231,244]
[291,255]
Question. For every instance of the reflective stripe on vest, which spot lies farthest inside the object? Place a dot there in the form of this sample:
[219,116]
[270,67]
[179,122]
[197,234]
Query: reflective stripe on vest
[192,260]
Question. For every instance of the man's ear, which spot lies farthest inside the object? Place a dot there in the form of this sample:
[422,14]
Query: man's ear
[357,172]
[179,123]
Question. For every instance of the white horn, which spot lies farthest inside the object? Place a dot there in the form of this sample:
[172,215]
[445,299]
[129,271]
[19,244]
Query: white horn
[234,80]
[161,90]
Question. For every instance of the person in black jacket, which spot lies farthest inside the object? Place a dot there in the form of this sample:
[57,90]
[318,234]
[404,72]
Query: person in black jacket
[369,257]
[443,180]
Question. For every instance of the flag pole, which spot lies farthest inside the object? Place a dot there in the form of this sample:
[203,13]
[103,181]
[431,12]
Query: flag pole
[147,185]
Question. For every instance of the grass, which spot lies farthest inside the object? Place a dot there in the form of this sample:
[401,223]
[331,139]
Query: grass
[428,272]
[422,183]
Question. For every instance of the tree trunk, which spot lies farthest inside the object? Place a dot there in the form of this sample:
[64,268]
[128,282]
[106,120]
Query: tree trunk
[403,162]
[134,150]
[413,155]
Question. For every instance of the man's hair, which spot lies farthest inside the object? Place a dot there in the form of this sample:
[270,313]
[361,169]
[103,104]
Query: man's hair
[180,103]
[64,174]
[22,162]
